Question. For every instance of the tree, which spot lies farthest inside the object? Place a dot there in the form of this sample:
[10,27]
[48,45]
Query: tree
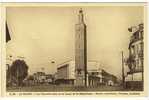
[19,70]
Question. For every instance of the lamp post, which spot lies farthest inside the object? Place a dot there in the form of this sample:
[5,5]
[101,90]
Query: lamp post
[53,62]
[123,77]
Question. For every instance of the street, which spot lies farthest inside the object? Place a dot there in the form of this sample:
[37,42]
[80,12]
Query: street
[62,88]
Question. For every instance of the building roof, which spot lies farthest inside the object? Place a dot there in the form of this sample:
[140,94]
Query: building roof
[91,64]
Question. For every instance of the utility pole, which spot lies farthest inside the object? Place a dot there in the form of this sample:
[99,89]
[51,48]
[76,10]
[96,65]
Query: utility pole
[18,77]
[123,77]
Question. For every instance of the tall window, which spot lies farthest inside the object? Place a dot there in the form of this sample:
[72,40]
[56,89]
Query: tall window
[142,46]
[137,64]
[137,48]
[141,34]
[142,63]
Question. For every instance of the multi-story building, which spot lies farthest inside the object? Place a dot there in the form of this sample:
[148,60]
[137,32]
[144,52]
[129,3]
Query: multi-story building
[134,78]
[66,73]
[95,75]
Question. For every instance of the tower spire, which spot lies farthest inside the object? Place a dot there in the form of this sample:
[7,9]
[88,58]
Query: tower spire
[80,52]
[81,19]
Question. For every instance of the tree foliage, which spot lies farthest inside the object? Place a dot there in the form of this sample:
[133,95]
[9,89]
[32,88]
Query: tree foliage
[19,70]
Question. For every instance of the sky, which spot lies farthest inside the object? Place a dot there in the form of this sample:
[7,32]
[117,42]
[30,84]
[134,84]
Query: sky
[45,34]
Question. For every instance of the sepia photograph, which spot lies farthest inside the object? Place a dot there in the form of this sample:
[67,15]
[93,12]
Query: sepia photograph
[78,48]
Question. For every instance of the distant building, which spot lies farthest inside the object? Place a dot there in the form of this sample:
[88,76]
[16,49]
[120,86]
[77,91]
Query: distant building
[39,78]
[49,78]
[95,76]
[101,77]
[134,78]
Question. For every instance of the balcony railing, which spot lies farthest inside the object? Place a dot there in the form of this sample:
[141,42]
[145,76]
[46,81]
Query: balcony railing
[135,70]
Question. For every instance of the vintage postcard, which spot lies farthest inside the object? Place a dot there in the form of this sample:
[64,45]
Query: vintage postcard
[73,49]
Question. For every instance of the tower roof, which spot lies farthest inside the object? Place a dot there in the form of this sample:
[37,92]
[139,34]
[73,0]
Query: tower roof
[81,19]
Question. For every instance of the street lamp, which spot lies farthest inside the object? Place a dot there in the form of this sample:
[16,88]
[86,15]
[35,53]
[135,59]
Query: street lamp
[123,77]
[52,62]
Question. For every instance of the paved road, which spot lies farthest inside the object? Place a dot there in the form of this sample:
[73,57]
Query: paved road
[54,88]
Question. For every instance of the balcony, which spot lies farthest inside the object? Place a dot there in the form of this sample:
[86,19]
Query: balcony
[138,35]
[136,70]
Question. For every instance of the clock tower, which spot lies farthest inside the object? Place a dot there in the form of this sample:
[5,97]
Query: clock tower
[80,51]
